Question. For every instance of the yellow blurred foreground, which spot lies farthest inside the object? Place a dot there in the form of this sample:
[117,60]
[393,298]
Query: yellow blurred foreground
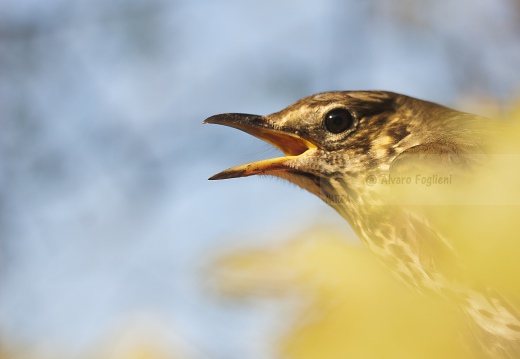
[353,308]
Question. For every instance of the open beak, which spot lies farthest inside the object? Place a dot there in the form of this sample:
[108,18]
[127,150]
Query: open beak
[291,144]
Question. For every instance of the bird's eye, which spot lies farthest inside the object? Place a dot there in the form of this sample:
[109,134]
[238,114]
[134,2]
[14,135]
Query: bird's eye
[338,120]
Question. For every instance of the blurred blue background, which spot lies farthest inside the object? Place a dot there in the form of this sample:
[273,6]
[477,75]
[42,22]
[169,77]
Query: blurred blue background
[106,213]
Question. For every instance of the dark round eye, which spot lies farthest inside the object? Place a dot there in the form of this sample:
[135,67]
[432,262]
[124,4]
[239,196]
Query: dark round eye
[338,120]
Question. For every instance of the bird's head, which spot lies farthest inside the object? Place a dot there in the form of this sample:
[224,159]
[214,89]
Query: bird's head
[342,136]
[338,145]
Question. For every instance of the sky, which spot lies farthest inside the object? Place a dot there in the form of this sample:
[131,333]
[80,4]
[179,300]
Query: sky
[106,214]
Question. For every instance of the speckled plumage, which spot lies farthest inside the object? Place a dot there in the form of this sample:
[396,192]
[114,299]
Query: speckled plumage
[390,135]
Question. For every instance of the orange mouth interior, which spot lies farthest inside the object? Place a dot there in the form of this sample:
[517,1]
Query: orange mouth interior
[291,145]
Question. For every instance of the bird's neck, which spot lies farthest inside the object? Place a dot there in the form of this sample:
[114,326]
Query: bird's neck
[411,248]
[393,234]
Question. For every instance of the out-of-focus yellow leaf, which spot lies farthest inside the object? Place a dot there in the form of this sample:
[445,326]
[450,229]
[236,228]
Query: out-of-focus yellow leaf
[356,308]
[487,235]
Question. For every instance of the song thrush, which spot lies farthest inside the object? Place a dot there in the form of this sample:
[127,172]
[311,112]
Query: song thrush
[349,148]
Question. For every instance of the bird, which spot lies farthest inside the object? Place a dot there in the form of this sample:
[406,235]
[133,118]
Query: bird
[370,155]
